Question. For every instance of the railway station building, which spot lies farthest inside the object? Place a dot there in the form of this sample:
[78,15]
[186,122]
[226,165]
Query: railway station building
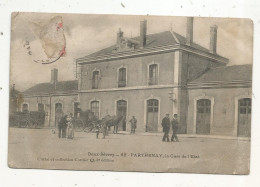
[149,76]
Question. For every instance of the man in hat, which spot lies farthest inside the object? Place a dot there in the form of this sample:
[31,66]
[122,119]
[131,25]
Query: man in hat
[175,126]
[166,127]
[133,122]
[61,126]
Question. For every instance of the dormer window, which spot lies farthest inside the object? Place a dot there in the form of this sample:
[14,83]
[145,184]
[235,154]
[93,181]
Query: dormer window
[95,79]
[122,77]
[153,74]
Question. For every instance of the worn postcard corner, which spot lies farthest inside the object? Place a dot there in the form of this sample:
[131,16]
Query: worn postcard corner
[130,93]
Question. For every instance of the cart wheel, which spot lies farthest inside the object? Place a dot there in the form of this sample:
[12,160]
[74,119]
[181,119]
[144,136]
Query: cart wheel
[79,125]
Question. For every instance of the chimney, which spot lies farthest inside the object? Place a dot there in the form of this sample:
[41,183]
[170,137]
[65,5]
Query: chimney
[143,29]
[119,36]
[54,76]
[189,31]
[213,39]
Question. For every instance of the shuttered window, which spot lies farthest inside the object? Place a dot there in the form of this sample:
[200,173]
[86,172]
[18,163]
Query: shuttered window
[153,74]
[122,77]
[95,79]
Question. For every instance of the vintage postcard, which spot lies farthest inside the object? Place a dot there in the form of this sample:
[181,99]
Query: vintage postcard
[130,93]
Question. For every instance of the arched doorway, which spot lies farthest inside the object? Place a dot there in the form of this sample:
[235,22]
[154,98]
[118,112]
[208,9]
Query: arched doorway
[58,113]
[152,115]
[203,116]
[121,106]
[244,117]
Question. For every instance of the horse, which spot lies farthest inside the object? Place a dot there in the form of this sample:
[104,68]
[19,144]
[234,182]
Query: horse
[107,122]
[115,121]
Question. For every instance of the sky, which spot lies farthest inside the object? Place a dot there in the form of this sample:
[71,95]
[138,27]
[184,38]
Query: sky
[86,34]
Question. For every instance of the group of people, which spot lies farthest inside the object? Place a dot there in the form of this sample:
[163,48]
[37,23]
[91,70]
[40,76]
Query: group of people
[66,126]
[167,123]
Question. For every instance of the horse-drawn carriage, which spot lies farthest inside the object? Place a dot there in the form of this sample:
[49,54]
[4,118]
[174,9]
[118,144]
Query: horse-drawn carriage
[32,119]
[86,121]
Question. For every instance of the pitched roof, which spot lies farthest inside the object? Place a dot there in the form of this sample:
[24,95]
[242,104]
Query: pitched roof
[153,40]
[62,86]
[227,73]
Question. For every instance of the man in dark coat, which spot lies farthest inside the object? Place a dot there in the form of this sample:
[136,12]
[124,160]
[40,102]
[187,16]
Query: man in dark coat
[175,126]
[133,122]
[58,117]
[166,127]
[62,126]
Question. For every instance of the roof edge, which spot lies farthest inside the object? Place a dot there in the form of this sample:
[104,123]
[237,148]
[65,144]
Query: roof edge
[175,37]
[152,50]
[42,94]
[220,84]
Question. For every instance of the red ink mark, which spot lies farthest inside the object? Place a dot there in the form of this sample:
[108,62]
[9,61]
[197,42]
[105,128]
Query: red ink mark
[63,52]
[60,25]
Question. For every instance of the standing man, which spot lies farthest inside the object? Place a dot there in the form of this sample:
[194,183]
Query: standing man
[166,123]
[61,122]
[133,122]
[175,126]
[58,117]
[59,129]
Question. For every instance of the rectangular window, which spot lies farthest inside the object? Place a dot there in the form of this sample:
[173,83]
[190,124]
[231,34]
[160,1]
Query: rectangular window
[153,74]
[122,77]
[95,79]
[95,108]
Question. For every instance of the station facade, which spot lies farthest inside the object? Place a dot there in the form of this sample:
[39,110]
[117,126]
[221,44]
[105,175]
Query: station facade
[151,75]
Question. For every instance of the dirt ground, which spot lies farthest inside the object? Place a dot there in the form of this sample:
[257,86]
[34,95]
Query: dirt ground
[40,148]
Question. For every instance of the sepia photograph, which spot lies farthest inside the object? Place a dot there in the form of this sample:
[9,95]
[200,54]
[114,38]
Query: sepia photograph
[130,93]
